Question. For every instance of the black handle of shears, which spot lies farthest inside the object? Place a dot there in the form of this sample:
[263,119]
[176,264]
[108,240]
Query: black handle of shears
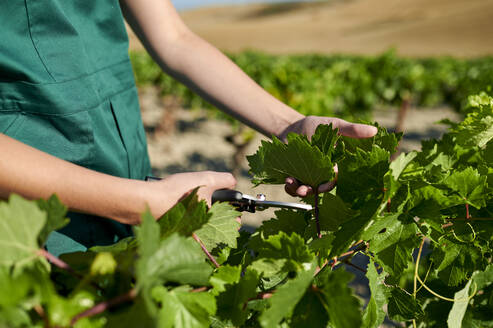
[221,195]
[226,195]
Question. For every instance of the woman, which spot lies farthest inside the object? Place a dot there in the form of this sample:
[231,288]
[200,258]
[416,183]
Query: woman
[70,121]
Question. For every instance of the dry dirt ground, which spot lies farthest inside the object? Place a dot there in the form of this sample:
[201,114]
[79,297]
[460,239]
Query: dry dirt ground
[413,27]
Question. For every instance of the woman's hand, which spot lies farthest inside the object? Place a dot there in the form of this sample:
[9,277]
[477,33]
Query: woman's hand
[162,195]
[307,126]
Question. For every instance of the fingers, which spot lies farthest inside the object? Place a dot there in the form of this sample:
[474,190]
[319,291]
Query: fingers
[291,184]
[355,130]
[293,188]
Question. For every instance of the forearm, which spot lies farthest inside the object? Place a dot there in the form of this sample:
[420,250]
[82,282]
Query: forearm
[202,67]
[35,174]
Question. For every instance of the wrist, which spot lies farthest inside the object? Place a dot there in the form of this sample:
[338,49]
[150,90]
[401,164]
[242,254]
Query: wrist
[286,120]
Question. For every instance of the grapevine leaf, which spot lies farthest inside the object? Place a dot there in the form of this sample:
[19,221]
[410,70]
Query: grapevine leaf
[275,161]
[14,317]
[341,305]
[138,315]
[231,304]
[174,259]
[402,306]
[478,281]
[455,262]
[374,313]
[21,222]
[469,185]
[360,179]
[286,298]
[477,128]
[325,138]
[459,307]
[267,267]
[393,247]
[282,246]
[286,221]
[360,183]
[225,275]
[482,279]
[56,219]
[181,308]
[322,246]
[185,217]
[122,245]
[384,139]
[222,227]
[309,312]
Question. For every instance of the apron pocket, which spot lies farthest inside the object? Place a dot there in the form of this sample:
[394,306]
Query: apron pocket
[69,137]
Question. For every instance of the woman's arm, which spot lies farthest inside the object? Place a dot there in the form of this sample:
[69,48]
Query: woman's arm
[196,63]
[203,68]
[34,174]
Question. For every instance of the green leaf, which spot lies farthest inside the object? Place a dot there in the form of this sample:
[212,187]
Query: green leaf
[222,227]
[286,221]
[231,304]
[173,259]
[383,139]
[342,306]
[275,161]
[56,219]
[225,275]
[286,297]
[290,248]
[122,245]
[360,179]
[185,217]
[310,312]
[176,260]
[325,138]
[478,281]
[455,262]
[477,128]
[21,222]
[402,306]
[374,313]
[181,308]
[469,185]
[459,308]
[394,246]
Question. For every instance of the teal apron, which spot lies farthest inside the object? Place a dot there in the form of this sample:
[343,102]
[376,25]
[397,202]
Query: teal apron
[67,88]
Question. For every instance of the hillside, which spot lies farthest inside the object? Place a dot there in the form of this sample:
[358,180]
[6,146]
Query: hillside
[414,27]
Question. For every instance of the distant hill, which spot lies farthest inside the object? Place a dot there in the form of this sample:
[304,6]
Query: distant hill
[414,27]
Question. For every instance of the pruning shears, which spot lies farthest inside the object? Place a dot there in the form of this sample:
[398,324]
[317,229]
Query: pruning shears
[248,203]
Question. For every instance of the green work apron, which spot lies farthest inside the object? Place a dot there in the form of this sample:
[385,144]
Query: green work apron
[67,88]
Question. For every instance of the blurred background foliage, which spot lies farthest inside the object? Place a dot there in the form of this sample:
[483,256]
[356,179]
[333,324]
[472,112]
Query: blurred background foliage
[347,86]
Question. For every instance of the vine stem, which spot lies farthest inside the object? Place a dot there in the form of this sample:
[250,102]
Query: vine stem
[41,312]
[57,262]
[316,212]
[103,306]
[204,249]
[416,277]
[416,268]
